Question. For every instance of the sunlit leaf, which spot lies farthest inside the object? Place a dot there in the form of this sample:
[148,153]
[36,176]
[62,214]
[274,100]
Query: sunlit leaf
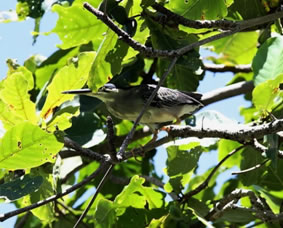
[267,64]
[62,119]
[101,69]
[239,48]
[8,118]
[15,95]
[265,94]
[27,146]
[200,9]
[70,77]
[136,195]
[77,26]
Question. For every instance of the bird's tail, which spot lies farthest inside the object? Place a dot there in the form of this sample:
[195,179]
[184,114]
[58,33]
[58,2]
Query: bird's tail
[78,91]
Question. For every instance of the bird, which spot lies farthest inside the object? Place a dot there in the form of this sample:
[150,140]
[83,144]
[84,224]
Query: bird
[167,106]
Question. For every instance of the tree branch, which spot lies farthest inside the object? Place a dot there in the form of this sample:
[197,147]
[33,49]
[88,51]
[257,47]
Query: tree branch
[10,214]
[227,91]
[240,133]
[224,68]
[148,51]
[197,24]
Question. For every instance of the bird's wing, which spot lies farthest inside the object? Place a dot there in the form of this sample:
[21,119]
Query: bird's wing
[166,97]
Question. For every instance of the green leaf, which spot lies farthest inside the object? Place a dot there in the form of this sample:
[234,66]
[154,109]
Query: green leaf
[77,26]
[267,64]
[179,166]
[239,48]
[15,95]
[225,147]
[45,212]
[246,9]
[199,9]
[136,195]
[20,187]
[272,200]
[25,73]
[70,77]
[86,129]
[62,119]
[272,178]
[54,62]
[105,214]
[265,94]
[35,9]
[100,72]
[26,146]
[8,118]
[272,141]
[250,158]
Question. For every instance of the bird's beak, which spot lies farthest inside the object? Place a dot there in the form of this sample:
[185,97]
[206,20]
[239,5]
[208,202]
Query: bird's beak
[78,91]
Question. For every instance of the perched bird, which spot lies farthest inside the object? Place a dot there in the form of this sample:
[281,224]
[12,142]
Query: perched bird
[126,103]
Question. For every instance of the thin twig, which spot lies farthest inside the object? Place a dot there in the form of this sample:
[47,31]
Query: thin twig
[10,214]
[100,185]
[216,68]
[84,151]
[121,152]
[204,184]
[250,169]
[111,138]
[198,24]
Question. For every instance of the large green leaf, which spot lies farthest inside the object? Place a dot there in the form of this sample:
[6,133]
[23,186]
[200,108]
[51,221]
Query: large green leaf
[179,166]
[199,9]
[250,158]
[54,62]
[265,94]
[267,64]
[224,148]
[238,48]
[77,26]
[101,69]
[46,212]
[70,77]
[105,214]
[20,187]
[26,146]
[8,118]
[62,119]
[138,196]
[15,95]
[246,9]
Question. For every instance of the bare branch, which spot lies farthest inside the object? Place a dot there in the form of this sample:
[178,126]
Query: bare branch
[224,68]
[198,24]
[250,169]
[84,151]
[227,91]
[240,133]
